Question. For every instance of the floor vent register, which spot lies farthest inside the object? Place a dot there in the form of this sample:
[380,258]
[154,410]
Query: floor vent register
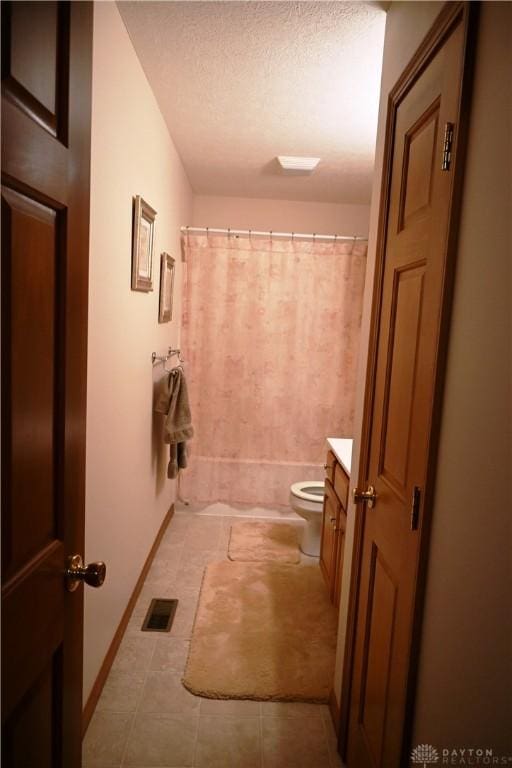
[160,615]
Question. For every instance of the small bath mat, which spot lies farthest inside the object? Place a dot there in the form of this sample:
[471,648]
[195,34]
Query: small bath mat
[261,542]
[262,631]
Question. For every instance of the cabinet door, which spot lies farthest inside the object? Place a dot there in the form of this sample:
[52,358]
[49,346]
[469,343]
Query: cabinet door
[331,514]
[330,466]
[341,483]
[341,526]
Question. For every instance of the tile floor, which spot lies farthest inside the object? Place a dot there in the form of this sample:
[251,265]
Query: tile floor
[145,718]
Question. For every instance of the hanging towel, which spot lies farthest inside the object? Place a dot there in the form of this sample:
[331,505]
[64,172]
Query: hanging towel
[172,400]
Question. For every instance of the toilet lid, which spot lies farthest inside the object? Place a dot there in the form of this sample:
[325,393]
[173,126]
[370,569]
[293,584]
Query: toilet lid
[309,490]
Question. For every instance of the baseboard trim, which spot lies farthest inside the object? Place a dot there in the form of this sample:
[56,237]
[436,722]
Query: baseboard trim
[335,711]
[116,640]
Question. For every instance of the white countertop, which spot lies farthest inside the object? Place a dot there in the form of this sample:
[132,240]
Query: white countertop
[342,449]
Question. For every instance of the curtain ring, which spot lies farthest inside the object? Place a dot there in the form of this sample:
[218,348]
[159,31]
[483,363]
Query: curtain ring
[271,236]
[353,244]
[229,233]
[293,236]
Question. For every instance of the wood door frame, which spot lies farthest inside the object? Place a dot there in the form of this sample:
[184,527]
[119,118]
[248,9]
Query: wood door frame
[451,14]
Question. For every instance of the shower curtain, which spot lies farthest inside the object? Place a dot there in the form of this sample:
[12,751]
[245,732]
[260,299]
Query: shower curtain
[271,335]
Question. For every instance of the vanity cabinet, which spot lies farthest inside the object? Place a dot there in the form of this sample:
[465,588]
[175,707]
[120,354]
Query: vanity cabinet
[334,525]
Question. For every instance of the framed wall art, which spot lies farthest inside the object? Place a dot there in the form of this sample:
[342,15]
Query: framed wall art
[142,247]
[166,287]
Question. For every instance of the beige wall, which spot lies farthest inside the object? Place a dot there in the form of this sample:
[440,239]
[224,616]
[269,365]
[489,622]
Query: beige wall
[280,215]
[463,696]
[127,493]
[465,675]
[406,25]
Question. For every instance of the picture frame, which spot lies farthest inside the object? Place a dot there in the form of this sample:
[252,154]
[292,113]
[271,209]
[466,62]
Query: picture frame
[142,245]
[167,265]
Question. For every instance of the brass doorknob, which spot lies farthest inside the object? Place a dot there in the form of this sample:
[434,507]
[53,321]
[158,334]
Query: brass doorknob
[93,574]
[369,496]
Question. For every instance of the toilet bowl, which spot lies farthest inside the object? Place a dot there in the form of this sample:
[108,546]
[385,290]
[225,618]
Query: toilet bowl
[306,499]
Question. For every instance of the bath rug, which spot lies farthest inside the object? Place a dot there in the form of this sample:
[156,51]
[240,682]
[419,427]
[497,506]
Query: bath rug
[262,541]
[262,631]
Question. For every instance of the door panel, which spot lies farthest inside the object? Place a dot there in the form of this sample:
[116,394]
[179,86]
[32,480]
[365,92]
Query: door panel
[405,321]
[36,714]
[33,606]
[419,160]
[46,92]
[377,652]
[34,235]
[401,390]
[36,62]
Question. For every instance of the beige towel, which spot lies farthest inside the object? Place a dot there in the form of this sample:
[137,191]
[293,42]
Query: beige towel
[172,400]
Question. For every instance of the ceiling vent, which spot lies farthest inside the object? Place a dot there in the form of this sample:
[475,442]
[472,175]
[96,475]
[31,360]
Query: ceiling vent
[298,164]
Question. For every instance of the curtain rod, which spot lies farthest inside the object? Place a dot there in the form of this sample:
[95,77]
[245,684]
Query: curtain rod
[270,233]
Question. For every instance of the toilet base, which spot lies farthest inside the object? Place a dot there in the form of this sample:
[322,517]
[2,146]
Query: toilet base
[311,537]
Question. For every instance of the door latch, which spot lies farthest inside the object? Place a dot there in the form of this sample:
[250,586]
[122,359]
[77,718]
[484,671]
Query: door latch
[369,496]
[447,146]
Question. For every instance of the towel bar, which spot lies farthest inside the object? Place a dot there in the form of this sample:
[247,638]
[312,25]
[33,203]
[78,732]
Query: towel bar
[164,358]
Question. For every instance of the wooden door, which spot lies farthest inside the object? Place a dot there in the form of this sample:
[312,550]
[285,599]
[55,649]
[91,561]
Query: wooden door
[410,310]
[46,111]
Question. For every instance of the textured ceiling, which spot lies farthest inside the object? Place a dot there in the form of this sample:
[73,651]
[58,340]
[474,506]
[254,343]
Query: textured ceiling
[241,82]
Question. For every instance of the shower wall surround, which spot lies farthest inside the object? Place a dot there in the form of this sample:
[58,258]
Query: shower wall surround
[271,337]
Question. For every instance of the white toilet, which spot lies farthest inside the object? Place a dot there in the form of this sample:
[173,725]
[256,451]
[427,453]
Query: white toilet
[306,499]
